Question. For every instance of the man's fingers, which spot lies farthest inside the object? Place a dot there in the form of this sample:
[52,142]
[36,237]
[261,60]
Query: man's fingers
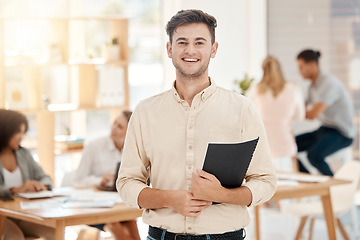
[195,203]
[204,174]
[193,214]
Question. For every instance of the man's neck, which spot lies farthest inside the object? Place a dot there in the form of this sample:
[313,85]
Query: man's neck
[118,145]
[188,88]
[315,76]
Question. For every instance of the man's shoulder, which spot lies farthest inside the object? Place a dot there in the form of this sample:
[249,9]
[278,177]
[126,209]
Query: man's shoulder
[102,139]
[98,142]
[329,79]
[235,96]
[153,100]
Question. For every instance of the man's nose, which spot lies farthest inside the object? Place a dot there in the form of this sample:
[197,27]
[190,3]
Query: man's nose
[190,48]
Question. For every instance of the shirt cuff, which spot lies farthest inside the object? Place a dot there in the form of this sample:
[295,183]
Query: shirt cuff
[132,197]
[256,199]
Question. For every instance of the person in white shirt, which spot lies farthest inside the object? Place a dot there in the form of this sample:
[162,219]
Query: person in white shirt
[97,168]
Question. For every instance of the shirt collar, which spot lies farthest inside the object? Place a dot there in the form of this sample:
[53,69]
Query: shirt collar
[204,94]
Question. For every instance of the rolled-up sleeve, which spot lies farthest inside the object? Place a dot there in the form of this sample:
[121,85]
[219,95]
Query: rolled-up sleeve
[133,173]
[260,177]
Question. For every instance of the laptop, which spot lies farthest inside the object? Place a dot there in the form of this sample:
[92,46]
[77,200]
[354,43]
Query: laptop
[113,186]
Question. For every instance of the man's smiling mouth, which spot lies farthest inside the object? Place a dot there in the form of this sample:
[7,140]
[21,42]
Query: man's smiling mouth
[190,59]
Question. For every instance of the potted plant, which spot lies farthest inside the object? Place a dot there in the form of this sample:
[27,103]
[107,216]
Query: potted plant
[111,51]
[243,84]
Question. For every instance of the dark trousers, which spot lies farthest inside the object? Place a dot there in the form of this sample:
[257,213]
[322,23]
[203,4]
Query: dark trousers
[161,234]
[320,144]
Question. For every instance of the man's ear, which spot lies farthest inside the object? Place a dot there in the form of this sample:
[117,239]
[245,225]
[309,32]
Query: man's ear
[169,49]
[214,49]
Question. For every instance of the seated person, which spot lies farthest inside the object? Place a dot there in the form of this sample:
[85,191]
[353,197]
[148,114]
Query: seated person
[97,167]
[331,105]
[19,173]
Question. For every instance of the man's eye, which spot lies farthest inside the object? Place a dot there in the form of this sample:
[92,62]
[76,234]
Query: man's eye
[181,43]
[199,43]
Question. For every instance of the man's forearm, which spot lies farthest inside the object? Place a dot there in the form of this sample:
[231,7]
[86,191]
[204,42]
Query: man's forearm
[150,198]
[181,201]
[237,196]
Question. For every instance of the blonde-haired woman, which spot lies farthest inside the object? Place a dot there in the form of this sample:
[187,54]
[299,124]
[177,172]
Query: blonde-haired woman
[279,103]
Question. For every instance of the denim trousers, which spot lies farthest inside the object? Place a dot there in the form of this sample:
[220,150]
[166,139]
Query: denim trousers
[320,144]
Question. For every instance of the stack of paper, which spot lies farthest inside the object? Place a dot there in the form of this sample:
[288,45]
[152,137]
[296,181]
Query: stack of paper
[302,177]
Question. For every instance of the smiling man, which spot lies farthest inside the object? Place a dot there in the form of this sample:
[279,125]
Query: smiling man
[168,136]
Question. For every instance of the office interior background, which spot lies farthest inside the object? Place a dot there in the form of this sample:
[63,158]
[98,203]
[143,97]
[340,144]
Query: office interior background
[54,58]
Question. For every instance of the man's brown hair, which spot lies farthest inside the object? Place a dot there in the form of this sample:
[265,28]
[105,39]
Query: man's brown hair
[184,17]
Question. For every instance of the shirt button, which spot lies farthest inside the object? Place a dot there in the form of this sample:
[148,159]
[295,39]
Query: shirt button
[190,147]
[190,127]
[189,167]
[189,228]
[187,109]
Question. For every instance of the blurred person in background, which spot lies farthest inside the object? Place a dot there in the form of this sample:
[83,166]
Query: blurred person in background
[329,103]
[279,103]
[19,173]
[97,168]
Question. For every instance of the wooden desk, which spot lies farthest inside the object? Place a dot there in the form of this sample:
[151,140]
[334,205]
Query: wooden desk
[59,218]
[321,189]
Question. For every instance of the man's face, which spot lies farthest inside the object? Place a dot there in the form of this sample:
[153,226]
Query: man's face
[305,69]
[191,50]
[118,129]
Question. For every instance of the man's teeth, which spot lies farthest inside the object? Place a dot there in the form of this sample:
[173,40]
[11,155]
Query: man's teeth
[190,60]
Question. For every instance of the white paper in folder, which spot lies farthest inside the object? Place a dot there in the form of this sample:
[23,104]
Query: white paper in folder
[111,87]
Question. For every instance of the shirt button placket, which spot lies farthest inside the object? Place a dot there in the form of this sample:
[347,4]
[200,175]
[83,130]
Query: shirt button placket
[189,159]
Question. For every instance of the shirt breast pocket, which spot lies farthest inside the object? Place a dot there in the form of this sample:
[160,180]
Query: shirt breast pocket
[224,134]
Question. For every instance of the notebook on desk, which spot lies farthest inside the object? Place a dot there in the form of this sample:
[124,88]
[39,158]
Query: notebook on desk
[39,195]
[113,186]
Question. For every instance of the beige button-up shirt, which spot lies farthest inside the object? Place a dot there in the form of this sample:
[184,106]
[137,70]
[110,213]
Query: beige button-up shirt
[170,137]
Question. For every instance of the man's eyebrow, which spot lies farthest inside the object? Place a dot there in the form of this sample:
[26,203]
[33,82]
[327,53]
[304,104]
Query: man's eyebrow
[200,38]
[186,39]
[181,39]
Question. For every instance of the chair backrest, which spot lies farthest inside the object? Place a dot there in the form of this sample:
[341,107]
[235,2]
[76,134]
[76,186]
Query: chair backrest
[342,196]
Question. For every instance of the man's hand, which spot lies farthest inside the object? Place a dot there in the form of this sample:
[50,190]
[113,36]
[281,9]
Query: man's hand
[107,179]
[206,186]
[186,204]
[316,110]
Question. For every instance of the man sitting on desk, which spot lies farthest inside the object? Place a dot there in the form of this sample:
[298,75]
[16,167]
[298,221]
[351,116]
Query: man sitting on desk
[168,134]
[332,106]
[97,167]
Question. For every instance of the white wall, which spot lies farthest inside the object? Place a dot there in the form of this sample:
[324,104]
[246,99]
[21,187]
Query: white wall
[241,34]
[294,25]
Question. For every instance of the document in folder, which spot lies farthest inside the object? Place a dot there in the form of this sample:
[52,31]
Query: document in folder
[229,161]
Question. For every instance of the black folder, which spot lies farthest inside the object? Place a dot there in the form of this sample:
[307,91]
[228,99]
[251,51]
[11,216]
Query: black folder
[229,161]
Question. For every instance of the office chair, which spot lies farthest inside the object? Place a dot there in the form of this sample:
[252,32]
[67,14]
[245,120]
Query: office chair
[342,197]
